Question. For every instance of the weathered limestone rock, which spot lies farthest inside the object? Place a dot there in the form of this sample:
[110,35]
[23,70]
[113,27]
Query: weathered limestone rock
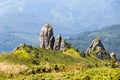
[62,47]
[97,48]
[113,55]
[46,37]
[59,43]
[96,44]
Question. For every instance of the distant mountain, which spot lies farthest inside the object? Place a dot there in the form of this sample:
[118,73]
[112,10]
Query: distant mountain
[9,41]
[67,17]
[22,19]
[110,37]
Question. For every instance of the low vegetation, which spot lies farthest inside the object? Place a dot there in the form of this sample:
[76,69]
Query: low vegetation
[31,63]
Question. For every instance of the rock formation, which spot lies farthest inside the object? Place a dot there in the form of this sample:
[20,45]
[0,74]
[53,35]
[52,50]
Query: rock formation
[96,44]
[22,46]
[46,37]
[113,55]
[59,43]
[62,46]
[98,48]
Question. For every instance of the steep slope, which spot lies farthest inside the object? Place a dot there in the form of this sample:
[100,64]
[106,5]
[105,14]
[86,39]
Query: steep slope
[110,37]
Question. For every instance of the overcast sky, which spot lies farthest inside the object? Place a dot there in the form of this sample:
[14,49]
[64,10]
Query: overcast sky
[83,14]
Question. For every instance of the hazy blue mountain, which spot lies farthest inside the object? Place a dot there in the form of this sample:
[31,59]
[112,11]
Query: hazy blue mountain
[24,18]
[110,37]
[64,15]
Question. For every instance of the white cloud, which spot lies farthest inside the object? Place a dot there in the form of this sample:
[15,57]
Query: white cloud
[11,5]
[20,9]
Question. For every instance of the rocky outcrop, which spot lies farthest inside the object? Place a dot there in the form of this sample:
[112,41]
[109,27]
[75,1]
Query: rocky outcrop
[62,46]
[46,37]
[98,49]
[96,44]
[113,55]
[59,43]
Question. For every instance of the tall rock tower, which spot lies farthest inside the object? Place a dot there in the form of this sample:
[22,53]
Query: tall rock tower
[46,37]
[59,43]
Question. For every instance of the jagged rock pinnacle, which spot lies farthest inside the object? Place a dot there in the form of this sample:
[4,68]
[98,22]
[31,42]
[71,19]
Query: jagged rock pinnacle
[46,37]
[96,43]
[59,43]
[98,48]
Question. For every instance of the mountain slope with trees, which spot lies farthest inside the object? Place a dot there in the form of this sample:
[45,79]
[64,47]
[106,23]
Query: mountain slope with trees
[110,37]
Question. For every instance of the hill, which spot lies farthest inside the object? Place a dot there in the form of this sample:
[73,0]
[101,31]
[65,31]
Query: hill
[28,62]
[110,37]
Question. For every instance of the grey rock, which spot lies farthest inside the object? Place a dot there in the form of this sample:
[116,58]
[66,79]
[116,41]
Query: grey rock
[100,55]
[98,48]
[21,45]
[113,55]
[62,47]
[96,43]
[57,43]
[51,42]
[46,37]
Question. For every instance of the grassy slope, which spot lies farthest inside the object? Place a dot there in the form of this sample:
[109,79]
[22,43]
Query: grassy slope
[34,56]
[28,62]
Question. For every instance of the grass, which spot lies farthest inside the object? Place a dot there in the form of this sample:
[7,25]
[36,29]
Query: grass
[90,74]
[72,52]
[32,63]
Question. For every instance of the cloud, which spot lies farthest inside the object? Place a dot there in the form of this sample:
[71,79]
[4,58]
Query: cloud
[69,13]
[20,9]
[11,5]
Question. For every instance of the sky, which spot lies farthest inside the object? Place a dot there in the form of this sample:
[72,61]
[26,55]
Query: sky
[66,16]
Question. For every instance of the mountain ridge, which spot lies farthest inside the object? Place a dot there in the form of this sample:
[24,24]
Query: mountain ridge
[109,36]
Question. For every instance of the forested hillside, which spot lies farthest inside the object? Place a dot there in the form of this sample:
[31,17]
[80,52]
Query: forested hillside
[110,37]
